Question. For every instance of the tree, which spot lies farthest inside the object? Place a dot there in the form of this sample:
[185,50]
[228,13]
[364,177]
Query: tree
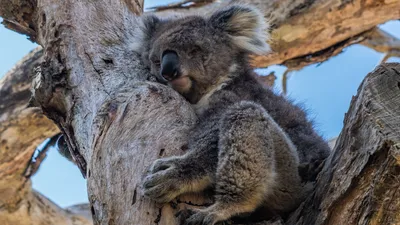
[116,122]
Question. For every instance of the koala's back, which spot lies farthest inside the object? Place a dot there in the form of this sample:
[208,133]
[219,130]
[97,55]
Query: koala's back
[292,136]
[291,118]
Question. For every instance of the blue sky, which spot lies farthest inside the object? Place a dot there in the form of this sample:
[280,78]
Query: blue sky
[325,90]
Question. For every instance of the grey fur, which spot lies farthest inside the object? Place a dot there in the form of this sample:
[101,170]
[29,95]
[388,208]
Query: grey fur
[249,143]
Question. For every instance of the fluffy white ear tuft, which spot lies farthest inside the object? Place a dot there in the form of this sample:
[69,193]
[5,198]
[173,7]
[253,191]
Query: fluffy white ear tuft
[246,25]
[146,28]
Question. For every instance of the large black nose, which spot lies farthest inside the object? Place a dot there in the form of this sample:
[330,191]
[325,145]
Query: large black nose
[169,65]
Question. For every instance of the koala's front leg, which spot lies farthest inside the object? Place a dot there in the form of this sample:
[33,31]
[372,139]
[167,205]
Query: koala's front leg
[246,164]
[173,176]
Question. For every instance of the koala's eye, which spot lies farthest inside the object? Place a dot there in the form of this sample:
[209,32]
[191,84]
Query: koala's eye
[155,61]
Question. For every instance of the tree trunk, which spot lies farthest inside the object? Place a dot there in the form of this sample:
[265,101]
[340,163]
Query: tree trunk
[116,122]
[359,183]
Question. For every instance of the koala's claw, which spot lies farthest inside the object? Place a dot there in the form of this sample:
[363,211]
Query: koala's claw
[162,164]
[162,183]
[199,218]
[157,178]
[162,186]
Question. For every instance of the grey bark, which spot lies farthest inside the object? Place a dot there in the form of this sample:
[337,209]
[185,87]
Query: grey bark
[115,121]
[359,183]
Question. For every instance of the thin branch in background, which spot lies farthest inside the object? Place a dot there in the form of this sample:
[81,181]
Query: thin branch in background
[268,80]
[323,55]
[135,6]
[38,156]
[181,5]
[381,41]
[385,58]
[376,39]
[15,26]
[285,77]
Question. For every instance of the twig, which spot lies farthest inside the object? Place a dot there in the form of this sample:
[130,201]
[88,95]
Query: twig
[268,80]
[36,161]
[285,78]
[181,5]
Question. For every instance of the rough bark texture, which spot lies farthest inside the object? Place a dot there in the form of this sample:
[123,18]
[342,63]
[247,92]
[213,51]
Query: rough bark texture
[307,29]
[22,129]
[359,183]
[116,122]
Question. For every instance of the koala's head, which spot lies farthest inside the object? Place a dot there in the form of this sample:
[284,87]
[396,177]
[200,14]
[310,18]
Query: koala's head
[193,54]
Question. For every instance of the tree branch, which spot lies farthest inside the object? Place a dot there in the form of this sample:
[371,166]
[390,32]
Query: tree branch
[360,179]
[22,129]
[315,26]
[182,5]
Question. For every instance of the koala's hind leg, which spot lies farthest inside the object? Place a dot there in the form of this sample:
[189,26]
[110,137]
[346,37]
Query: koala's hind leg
[246,164]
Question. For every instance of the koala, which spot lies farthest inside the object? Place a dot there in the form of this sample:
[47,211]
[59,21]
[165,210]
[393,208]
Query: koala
[249,142]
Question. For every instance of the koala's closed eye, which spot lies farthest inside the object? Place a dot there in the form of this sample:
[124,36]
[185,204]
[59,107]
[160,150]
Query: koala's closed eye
[155,60]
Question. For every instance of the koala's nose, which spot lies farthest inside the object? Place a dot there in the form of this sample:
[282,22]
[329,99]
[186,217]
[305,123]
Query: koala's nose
[169,65]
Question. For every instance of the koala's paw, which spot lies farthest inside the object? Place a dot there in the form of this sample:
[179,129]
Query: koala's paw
[199,217]
[163,183]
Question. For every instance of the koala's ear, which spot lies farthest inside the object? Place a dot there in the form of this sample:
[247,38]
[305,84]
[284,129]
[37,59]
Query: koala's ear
[147,26]
[246,26]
